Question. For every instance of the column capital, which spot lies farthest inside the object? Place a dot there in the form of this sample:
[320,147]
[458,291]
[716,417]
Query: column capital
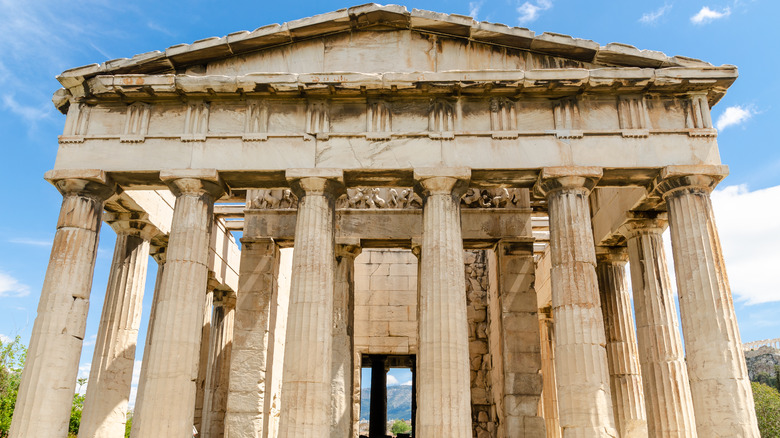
[452,181]
[348,249]
[689,178]
[316,181]
[194,182]
[224,298]
[158,252]
[82,182]
[131,223]
[655,223]
[552,179]
[611,254]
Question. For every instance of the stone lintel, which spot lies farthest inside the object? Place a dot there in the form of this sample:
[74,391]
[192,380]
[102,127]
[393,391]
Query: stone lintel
[515,247]
[481,228]
[442,180]
[90,182]
[566,177]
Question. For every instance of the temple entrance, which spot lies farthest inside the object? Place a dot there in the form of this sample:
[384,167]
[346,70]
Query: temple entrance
[403,402]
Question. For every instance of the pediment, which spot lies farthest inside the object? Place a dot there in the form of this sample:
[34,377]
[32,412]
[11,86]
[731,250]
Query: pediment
[421,40]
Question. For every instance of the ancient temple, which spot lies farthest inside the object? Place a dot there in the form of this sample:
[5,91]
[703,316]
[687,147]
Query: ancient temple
[412,189]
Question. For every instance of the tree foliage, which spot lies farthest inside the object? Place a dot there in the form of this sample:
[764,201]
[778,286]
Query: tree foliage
[400,426]
[75,409]
[767,409]
[12,355]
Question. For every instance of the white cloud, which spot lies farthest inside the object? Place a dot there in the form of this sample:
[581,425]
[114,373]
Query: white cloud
[409,383]
[90,341]
[706,15]
[529,11]
[134,384]
[30,113]
[652,17]
[391,380]
[31,242]
[734,115]
[474,8]
[750,235]
[11,287]
[5,339]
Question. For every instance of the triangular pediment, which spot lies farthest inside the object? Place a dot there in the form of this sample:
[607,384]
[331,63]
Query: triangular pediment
[411,41]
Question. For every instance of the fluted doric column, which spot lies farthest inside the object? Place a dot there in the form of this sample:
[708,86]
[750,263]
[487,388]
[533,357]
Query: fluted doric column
[549,388]
[111,375]
[722,397]
[343,355]
[584,400]
[624,375]
[218,368]
[49,377]
[249,358]
[203,358]
[171,368]
[306,385]
[664,377]
[158,254]
[444,387]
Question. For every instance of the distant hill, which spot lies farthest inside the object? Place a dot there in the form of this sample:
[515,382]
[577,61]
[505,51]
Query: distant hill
[399,403]
[761,365]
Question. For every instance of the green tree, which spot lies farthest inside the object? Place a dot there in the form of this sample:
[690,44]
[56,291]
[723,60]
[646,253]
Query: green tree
[767,409]
[12,355]
[75,410]
[128,424]
[400,426]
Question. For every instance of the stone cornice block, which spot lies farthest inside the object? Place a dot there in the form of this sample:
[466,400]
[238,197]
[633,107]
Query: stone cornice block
[201,50]
[564,45]
[266,36]
[329,22]
[449,24]
[624,54]
[496,33]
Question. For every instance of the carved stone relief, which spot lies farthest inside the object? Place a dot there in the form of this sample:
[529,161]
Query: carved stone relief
[697,115]
[441,119]
[379,197]
[503,118]
[272,199]
[76,124]
[494,198]
[378,121]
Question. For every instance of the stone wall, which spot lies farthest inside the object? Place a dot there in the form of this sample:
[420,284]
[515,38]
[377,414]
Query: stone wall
[483,412]
[386,302]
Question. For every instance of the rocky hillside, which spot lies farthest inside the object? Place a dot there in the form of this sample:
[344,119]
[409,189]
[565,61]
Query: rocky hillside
[399,403]
[761,363]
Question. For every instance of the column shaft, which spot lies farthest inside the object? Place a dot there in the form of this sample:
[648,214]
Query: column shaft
[249,362]
[722,397]
[377,426]
[342,363]
[203,359]
[624,375]
[306,385]
[444,387]
[549,387]
[668,396]
[218,368]
[158,253]
[166,408]
[111,375]
[49,378]
[584,400]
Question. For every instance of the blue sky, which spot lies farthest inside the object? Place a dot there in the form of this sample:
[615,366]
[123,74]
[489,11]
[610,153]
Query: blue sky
[41,38]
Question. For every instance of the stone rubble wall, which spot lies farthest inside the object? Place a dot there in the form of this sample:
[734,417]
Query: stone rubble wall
[483,410]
